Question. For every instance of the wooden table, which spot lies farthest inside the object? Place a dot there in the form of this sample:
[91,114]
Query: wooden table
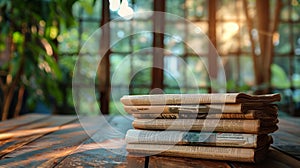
[35,140]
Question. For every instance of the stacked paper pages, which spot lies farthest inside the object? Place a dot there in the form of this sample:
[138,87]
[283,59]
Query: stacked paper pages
[231,126]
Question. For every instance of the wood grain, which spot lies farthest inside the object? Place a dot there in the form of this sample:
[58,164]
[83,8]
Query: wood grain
[287,138]
[50,149]
[61,141]
[274,159]
[16,138]
[137,161]
[289,126]
[158,161]
[11,124]
[106,148]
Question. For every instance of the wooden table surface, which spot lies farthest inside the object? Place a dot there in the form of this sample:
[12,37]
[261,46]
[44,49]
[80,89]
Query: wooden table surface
[36,140]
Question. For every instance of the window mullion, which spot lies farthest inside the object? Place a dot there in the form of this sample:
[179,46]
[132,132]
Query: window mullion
[212,55]
[104,66]
[158,44]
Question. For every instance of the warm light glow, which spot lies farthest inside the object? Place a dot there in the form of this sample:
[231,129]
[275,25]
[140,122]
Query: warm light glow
[33,29]
[228,33]
[125,11]
[234,27]
[276,37]
[30,132]
[295,2]
[47,46]
[34,133]
[42,23]
[44,66]
[8,79]
[115,143]
[230,30]
[114,5]
[60,38]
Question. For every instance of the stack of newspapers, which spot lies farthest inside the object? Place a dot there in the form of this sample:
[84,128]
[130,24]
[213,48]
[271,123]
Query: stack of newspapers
[227,126]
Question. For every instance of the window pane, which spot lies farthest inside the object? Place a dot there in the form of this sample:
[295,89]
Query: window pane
[142,37]
[197,71]
[296,36]
[141,68]
[176,29]
[195,27]
[197,38]
[113,108]
[227,34]
[251,10]
[116,107]
[197,9]
[193,91]
[226,9]
[240,11]
[174,45]
[142,6]
[245,40]
[169,90]
[296,12]
[141,81]
[141,64]
[174,7]
[123,45]
[175,68]
[284,44]
[86,9]
[142,25]
[296,75]
[120,40]
[174,37]
[68,40]
[120,66]
[142,78]
[247,77]
[285,13]
[139,91]
[88,28]
[280,72]
[230,64]
[142,40]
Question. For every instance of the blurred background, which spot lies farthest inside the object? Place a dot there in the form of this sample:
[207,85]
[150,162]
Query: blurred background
[258,42]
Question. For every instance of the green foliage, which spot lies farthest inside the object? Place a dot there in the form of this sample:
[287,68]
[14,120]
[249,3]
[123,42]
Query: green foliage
[87,6]
[114,108]
[232,86]
[33,26]
[279,79]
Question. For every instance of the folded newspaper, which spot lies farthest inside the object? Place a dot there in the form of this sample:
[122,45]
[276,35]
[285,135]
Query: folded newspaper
[198,98]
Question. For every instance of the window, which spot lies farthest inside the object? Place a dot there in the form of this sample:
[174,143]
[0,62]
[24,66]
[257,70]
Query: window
[223,21]
[285,70]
